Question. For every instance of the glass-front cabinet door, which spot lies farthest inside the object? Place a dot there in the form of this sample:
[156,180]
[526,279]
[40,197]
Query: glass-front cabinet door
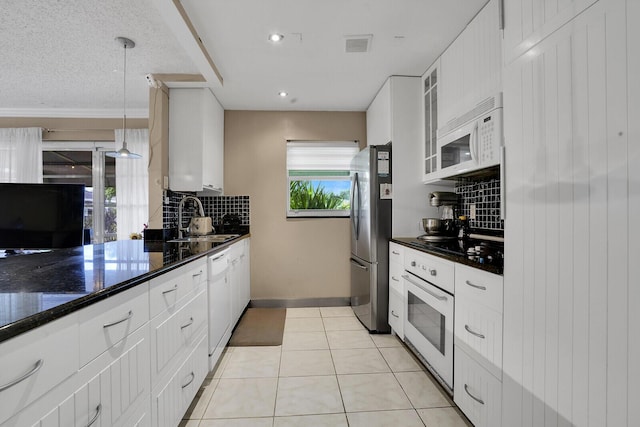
[430,117]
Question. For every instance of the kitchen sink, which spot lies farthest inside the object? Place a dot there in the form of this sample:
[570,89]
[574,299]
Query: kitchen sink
[212,238]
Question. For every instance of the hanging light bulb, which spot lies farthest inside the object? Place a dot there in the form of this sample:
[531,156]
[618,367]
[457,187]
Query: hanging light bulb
[124,153]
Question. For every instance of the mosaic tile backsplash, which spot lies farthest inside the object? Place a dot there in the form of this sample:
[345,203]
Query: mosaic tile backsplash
[486,196]
[214,206]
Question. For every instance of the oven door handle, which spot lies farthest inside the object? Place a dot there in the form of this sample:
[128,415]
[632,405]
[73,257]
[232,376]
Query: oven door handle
[429,291]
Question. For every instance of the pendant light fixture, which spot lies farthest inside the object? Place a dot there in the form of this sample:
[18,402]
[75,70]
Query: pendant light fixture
[124,153]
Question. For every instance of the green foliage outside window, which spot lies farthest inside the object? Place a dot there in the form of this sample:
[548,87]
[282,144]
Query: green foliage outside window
[304,195]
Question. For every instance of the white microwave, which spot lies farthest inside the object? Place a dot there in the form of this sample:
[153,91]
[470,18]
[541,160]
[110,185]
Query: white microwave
[475,144]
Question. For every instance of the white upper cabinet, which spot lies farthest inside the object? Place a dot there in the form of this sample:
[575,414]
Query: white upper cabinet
[196,141]
[471,67]
[394,116]
[527,22]
[379,117]
[430,85]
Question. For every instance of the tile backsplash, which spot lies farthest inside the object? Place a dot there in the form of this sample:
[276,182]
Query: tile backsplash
[485,194]
[214,206]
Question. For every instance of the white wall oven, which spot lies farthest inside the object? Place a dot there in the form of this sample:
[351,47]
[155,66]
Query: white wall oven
[428,323]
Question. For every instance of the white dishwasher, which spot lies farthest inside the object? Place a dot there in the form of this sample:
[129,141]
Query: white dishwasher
[219,305]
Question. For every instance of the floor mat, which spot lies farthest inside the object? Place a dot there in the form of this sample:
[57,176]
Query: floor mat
[259,326]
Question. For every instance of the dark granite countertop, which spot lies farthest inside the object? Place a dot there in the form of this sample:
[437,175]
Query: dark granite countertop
[442,252]
[37,288]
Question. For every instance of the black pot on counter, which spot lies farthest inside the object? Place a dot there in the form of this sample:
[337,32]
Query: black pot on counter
[230,223]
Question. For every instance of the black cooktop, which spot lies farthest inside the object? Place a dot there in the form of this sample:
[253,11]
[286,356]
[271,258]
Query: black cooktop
[484,254]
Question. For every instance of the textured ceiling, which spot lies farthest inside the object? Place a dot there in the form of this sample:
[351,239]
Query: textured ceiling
[58,56]
[62,54]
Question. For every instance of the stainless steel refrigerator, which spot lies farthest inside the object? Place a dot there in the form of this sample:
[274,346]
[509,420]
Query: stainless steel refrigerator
[370,232]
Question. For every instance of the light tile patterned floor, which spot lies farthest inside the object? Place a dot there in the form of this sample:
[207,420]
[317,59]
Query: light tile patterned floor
[330,372]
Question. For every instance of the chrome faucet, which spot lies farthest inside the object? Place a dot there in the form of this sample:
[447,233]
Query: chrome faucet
[182,229]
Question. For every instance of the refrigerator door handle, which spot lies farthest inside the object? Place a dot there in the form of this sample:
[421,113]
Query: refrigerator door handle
[353,203]
[357,192]
[357,264]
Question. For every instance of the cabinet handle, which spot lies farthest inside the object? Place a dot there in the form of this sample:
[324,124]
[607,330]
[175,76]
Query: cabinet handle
[393,313]
[35,369]
[197,274]
[193,376]
[175,288]
[189,323]
[473,333]
[480,401]
[395,253]
[96,416]
[107,325]
[218,257]
[433,271]
[394,279]
[482,288]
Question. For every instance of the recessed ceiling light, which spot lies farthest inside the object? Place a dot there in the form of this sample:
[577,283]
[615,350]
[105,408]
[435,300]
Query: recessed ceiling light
[275,37]
[282,94]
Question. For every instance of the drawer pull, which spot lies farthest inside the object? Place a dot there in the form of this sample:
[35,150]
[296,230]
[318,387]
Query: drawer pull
[197,274]
[189,323]
[175,288]
[96,416]
[473,333]
[482,288]
[395,253]
[394,279]
[433,271]
[393,313]
[218,257]
[193,376]
[35,369]
[108,325]
[480,401]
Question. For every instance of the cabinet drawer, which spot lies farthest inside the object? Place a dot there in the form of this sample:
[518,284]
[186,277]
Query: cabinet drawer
[176,332]
[478,330]
[480,286]
[396,253]
[395,277]
[166,290]
[476,392]
[169,403]
[396,312]
[104,324]
[433,269]
[43,358]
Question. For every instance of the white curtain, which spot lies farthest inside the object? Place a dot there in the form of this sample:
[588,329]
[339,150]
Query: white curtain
[132,183]
[21,155]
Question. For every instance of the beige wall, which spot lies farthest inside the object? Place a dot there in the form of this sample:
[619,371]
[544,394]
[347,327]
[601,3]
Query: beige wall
[290,258]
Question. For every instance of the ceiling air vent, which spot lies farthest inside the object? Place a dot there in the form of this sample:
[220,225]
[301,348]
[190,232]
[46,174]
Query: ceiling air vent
[357,44]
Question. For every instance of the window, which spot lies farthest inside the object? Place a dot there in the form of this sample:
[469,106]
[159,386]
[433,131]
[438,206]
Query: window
[85,163]
[318,178]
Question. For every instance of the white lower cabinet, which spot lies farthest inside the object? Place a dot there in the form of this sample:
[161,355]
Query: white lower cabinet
[396,312]
[478,345]
[239,278]
[476,392]
[396,289]
[170,400]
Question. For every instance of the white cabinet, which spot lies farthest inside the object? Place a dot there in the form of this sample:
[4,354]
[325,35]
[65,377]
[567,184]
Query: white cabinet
[35,362]
[219,305]
[239,278]
[196,141]
[169,403]
[571,294]
[477,393]
[394,116]
[527,22]
[107,323]
[471,67]
[430,86]
[478,344]
[396,289]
